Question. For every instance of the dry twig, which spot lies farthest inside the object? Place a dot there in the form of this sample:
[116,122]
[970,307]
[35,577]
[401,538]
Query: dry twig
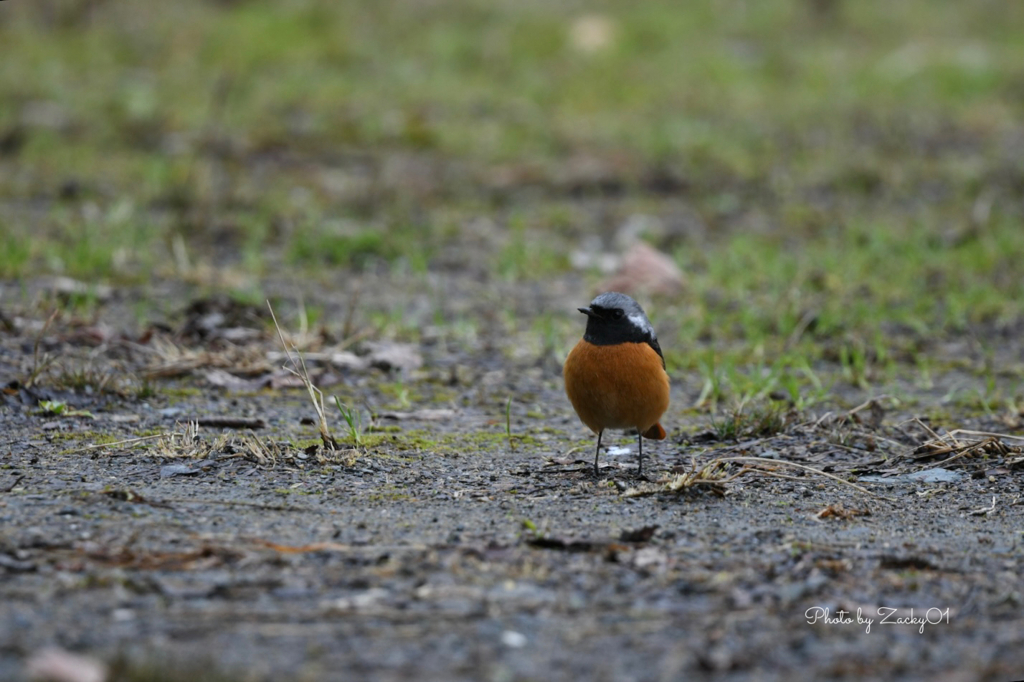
[953,448]
[714,476]
[316,396]
[984,511]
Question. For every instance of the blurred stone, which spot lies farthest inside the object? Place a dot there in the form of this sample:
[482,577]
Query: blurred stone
[638,227]
[45,114]
[224,379]
[58,665]
[937,475]
[389,356]
[172,470]
[585,260]
[347,360]
[592,33]
[513,639]
[72,287]
[646,270]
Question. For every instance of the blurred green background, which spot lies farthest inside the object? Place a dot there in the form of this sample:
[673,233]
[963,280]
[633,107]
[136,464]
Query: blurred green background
[846,176]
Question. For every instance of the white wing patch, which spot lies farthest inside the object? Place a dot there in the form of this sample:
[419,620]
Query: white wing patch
[640,322]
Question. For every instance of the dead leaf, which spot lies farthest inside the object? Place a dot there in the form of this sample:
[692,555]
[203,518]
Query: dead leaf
[840,512]
[639,535]
[204,558]
[916,563]
[221,317]
[127,495]
[566,544]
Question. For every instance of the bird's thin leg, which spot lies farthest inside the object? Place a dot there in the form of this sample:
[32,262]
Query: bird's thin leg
[640,466]
[597,454]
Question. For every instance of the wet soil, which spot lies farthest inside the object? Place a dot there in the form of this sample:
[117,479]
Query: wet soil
[449,547]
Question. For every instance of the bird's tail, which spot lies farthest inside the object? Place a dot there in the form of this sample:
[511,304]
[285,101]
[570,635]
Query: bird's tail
[656,432]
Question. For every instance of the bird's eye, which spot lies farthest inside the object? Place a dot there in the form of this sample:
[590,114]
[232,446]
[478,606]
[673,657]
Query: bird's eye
[617,314]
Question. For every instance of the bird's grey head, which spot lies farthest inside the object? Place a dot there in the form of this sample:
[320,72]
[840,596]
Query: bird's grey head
[616,318]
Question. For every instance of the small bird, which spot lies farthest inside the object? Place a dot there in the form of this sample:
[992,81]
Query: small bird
[615,376]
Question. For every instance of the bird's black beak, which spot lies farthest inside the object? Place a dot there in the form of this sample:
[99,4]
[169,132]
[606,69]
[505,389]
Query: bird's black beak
[586,311]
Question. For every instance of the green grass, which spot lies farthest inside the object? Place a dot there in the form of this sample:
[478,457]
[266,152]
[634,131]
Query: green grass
[750,420]
[354,420]
[851,173]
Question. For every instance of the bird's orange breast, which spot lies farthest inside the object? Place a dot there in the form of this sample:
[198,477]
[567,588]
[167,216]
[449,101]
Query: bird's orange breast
[620,386]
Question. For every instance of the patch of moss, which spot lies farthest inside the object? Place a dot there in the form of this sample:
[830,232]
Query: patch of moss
[416,439]
[366,440]
[182,392]
[383,429]
[391,494]
[64,436]
[484,439]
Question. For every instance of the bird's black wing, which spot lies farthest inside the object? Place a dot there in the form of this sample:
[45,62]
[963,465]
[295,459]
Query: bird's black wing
[653,343]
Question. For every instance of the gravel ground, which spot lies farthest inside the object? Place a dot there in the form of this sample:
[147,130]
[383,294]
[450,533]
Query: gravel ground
[441,550]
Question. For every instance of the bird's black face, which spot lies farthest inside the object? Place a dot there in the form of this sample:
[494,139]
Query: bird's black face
[616,318]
